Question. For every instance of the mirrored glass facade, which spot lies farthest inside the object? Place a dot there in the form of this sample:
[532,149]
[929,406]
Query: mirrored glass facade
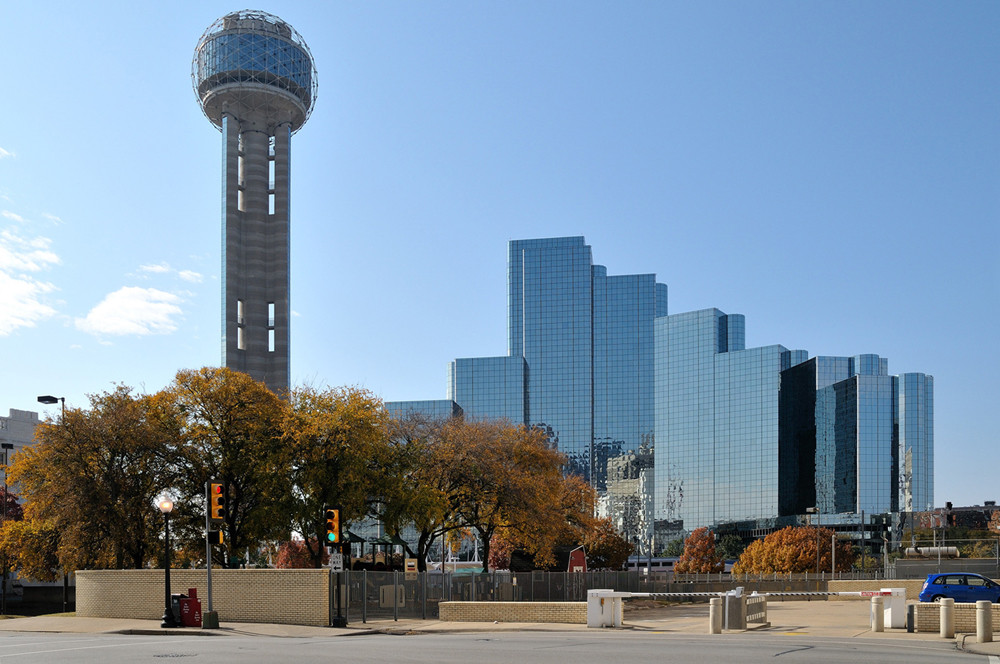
[847,415]
[716,424]
[433,409]
[915,392]
[676,423]
[490,388]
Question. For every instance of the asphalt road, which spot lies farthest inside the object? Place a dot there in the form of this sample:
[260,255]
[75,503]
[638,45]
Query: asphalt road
[519,647]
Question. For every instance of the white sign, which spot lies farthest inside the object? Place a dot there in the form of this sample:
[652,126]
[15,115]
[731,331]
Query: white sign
[336,562]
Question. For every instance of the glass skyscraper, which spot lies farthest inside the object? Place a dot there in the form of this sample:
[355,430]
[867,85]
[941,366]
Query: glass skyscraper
[716,424]
[676,423]
[915,393]
[843,429]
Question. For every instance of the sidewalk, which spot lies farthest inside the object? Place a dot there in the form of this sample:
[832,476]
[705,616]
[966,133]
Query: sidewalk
[842,619]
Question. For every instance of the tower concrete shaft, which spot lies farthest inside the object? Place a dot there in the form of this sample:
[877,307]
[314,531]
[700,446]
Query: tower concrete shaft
[255,80]
[255,237]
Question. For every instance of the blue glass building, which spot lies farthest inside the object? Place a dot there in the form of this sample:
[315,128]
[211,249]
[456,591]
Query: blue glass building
[716,425]
[676,423]
[915,412]
[433,409]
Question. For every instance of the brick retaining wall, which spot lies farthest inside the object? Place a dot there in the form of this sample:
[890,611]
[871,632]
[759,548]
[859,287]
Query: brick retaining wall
[289,596]
[521,612]
[927,617]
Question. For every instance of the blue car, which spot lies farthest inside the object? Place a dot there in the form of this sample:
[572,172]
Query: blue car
[960,586]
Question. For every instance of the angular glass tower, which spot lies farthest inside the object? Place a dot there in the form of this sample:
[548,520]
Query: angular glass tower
[255,79]
[915,392]
[841,437]
[716,422]
[579,366]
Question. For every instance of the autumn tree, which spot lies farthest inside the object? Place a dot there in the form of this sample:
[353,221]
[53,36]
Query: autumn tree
[297,554]
[699,556]
[566,521]
[32,548]
[336,438]
[420,487]
[507,476]
[93,479]
[605,546]
[231,429]
[794,549]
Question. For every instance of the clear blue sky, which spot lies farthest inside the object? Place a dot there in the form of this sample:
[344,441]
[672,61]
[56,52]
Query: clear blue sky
[829,169]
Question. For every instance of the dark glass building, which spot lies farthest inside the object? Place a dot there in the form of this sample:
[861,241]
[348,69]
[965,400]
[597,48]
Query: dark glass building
[842,437]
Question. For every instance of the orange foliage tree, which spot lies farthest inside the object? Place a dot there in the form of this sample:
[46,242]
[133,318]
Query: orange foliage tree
[699,555]
[605,546]
[296,554]
[794,549]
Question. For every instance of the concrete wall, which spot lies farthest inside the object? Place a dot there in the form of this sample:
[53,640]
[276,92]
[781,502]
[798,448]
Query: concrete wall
[289,596]
[518,612]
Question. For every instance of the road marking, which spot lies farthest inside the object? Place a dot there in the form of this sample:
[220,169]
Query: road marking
[112,645]
[19,645]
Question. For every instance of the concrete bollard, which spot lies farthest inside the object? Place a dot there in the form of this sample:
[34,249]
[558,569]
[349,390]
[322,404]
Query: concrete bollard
[878,614]
[715,615]
[984,621]
[947,609]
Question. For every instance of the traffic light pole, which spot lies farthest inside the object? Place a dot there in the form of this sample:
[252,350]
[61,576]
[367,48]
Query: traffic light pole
[210,618]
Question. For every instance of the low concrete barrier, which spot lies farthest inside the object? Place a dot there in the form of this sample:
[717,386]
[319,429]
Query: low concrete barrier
[524,612]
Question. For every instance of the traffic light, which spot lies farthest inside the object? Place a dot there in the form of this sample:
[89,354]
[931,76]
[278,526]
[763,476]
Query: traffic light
[216,503]
[332,526]
[215,537]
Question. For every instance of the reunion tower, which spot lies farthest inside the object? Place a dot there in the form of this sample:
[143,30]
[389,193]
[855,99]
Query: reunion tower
[255,80]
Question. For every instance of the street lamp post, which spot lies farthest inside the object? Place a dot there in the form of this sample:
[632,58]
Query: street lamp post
[166,506]
[49,400]
[3,519]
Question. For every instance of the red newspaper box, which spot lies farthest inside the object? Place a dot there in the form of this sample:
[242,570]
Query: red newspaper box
[191,609]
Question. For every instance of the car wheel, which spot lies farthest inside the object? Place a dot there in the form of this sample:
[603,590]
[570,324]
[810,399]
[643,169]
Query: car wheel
[936,598]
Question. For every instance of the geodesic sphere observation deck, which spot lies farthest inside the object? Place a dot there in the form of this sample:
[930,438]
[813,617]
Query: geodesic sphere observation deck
[252,62]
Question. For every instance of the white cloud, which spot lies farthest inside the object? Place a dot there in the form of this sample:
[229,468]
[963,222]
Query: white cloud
[190,275]
[52,217]
[22,296]
[5,153]
[133,311]
[19,254]
[13,217]
[21,302]
[159,268]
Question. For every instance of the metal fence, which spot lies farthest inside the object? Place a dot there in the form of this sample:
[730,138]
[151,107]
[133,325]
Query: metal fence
[369,595]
